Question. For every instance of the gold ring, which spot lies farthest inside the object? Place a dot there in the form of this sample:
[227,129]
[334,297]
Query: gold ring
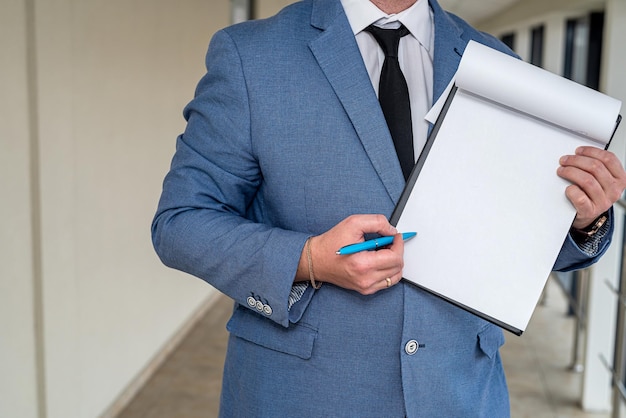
[388,282]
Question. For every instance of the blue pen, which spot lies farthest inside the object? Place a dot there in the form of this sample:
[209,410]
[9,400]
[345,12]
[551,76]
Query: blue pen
[372,244]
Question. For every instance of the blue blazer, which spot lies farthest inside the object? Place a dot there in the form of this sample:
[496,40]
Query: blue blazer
[285,138]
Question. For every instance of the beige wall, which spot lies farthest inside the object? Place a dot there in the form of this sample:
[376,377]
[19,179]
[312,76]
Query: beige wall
[18,389]
[84,302]
[532,10]
[266,8]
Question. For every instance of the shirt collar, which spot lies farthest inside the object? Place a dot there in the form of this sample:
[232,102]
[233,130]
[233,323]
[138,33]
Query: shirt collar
[417,18]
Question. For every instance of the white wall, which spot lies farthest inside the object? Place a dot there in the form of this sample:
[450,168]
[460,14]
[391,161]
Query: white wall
[84,302]
[596,394]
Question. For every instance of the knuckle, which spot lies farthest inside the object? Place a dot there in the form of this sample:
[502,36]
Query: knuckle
[588,182]
[581,202]
[614,195]
[572,191]
[361,266]
[364,287]
[401,263]
[595,165]
[606,157]
[359,270]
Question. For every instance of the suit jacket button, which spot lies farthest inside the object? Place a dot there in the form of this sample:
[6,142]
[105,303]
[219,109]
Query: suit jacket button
[251,301]
[259,306]
[411,347]
[267,309]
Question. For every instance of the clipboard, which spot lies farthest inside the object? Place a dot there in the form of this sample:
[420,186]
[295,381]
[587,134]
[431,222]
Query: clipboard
[490,211]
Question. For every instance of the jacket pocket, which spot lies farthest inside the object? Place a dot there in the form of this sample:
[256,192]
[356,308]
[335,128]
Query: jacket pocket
[296,340]
[490,340]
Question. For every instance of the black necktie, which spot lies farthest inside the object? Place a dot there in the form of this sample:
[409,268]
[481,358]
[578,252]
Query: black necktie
[393,95]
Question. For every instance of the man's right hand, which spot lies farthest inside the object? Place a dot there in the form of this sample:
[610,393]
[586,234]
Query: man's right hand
[365,272]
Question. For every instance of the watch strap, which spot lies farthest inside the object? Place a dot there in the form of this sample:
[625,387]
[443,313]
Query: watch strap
[589,231]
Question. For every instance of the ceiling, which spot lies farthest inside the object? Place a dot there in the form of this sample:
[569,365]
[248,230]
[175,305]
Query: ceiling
[475,11]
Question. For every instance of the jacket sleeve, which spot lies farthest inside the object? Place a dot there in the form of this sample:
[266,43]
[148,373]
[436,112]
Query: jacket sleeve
[204,223]
[574,256]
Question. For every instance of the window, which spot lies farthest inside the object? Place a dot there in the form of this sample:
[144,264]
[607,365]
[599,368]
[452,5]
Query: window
[583,49]
[536,45]
[509,40]
[242,10]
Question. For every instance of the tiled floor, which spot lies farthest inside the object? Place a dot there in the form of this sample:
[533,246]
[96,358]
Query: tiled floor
[537,365]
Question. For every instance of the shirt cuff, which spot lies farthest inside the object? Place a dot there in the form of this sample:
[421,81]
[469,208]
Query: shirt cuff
[592,246]
[297,291]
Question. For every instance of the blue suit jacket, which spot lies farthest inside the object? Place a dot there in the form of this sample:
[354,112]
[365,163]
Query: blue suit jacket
[285,138]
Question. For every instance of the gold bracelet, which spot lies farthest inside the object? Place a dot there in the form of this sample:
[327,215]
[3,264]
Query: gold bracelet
[315,284]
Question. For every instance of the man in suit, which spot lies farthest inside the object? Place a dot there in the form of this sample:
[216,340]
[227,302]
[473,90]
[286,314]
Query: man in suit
[287,157]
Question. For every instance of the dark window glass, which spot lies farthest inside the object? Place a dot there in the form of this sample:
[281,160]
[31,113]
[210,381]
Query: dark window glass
[583,49]
[536,46]
[509,40]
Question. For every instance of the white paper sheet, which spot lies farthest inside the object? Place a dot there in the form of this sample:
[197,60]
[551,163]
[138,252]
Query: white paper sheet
[490,211]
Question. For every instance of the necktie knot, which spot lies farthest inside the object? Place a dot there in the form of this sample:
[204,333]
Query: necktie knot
[388,39]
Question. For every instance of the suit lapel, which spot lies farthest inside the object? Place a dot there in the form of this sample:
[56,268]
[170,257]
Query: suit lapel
[338,56]
[449,46]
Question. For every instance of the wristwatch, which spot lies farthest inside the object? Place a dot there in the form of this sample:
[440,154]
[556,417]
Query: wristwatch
[583,235]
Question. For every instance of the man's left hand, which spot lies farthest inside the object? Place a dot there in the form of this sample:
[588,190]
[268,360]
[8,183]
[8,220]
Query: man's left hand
[598,180]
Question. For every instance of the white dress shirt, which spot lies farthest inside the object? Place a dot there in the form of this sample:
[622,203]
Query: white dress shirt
[415,54]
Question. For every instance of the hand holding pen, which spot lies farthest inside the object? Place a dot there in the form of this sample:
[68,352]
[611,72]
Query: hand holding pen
[366,272]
